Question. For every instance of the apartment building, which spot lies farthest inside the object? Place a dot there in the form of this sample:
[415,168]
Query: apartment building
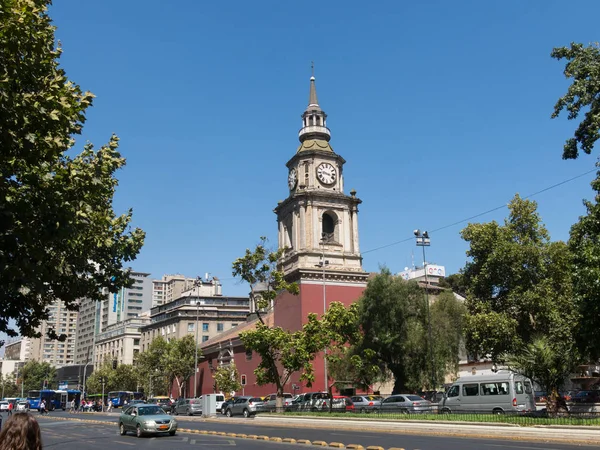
[18,350]
[171,287]
[202,316]
[120,341]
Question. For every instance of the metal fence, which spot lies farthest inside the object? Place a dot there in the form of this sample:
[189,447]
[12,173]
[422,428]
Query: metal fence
[589,417]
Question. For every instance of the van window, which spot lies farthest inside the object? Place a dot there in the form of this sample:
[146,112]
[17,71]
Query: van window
[470,389]
[500,388]
[220,398]
[519,387]
[453,391]
[528,387]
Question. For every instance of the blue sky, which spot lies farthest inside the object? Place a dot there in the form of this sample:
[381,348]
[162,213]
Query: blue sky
[441,110]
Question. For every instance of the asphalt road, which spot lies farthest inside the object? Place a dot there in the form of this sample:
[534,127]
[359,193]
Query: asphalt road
[81,436]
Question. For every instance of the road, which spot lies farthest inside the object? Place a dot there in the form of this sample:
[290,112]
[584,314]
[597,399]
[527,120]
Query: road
[77,435]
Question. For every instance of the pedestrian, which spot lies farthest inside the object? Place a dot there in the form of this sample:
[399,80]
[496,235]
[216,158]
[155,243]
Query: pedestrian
[109,406]
[21,432]
[10,408]
[43,407]
[72,406]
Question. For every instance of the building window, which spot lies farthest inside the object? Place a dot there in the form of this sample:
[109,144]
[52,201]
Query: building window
[219,327]
[204,338]
[248,355]
[205,327]
[190,326]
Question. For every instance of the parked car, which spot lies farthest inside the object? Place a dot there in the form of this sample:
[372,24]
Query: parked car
[366,403]
[246,406]
[405,404]
[189,406]
[271,402]
[146,419]
[22,405]
[219,400]
[163,401]
[226,403]
[586,397]
[3,406]
[341,403]
[313,401]
[540,397]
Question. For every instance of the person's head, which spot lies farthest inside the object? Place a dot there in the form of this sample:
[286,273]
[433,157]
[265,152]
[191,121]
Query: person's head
[21,432]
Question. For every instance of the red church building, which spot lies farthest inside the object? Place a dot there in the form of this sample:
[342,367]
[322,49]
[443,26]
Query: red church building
[318,223]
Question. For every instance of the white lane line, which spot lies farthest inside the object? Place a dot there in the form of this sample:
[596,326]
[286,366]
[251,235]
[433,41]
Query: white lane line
[357,435]
[516,446]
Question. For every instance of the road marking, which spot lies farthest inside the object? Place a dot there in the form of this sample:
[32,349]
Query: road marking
[193,441]
[126,443]
[514,446]
[357,435]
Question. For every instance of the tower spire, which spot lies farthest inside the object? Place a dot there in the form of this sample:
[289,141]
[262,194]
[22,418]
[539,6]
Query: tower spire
[314,119]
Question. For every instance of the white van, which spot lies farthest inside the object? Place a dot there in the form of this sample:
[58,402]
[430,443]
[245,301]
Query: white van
[499,393]
[219,400]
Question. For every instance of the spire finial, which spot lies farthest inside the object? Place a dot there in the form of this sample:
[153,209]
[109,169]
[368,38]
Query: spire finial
[312,69]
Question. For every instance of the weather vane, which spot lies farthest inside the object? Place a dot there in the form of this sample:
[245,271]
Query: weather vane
[312,68]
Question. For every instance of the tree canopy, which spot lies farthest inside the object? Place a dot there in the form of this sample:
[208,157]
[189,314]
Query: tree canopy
[227,378]
[583,66]
[60,238]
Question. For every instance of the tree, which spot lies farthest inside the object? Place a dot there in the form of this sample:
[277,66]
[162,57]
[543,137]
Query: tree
[37,374]
[540,362]
[584,243]
[152,367]
[59,236]
[583,66]
[393,317]
[227,378]
[282,353]
[181,360]
[519,288]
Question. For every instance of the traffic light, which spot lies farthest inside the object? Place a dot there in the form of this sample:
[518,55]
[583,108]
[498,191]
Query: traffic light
[114,363]
[243,380]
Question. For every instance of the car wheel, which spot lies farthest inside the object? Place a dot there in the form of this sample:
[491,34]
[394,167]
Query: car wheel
[138,431]
[122,430]
[172,433]
[404,411]
[189,413]
[228,413]
[498,412]
[246,413]
[445,411]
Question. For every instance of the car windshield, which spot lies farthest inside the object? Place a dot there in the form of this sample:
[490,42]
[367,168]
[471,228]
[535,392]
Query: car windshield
[150,410]
[414,398]
[256,399]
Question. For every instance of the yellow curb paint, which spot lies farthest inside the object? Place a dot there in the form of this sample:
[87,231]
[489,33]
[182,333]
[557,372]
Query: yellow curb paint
[375,447]
[276,439]
[242,435]
[252,436]
[232,434]
[319,443]
[303,441]
[289,440]
[396,448]
[195,431]
[262,438]
[354,447]
[337,445]
[203,432]
[212,432]
[221,433]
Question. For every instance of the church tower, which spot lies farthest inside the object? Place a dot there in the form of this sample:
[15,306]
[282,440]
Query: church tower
[318,223]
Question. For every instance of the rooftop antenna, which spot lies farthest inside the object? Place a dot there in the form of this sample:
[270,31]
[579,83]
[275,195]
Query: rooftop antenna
[412,259]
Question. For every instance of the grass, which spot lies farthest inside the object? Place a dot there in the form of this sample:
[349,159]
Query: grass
[522,420]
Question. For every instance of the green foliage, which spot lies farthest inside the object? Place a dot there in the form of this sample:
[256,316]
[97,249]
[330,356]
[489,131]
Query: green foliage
[124,378]
[454,282]
[393,317]
[59,236]
[541,362]
[34,373]
[164,363]
[583,66]
[227,378]
[519,285]
[584,244]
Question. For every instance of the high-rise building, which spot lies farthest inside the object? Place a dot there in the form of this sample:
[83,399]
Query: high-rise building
[18,350]
[171,287]
[57,353]
[95,317]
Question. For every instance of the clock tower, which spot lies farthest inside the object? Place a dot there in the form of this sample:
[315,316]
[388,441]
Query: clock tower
[318,224]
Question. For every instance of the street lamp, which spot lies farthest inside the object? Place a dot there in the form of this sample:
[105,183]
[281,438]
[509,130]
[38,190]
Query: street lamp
[325,238]
[424,241]
[197,283]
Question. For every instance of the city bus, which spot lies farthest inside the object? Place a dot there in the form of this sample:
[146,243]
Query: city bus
[35,398]
[62,398]
[118,398]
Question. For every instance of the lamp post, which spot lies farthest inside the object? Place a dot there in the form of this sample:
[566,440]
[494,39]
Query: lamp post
[424,241]
[84,373]
[324,239]
[197,284]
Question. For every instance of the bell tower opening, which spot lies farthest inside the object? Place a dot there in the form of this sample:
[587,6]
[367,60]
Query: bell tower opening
[328,227]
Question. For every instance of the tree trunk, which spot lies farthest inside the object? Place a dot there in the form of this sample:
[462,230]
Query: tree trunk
[279,400]
[556,405]
[399,387]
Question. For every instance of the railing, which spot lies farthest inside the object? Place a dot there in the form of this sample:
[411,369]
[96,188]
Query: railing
[589,417]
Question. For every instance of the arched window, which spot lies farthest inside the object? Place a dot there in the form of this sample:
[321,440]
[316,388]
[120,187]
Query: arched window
[328,230]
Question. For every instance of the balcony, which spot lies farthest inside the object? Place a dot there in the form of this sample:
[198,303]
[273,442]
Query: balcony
[314,129]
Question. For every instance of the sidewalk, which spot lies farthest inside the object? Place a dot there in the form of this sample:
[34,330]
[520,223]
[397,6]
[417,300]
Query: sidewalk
[539,433]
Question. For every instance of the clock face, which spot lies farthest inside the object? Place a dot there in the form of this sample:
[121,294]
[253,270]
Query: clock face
[326,173]
[292,179]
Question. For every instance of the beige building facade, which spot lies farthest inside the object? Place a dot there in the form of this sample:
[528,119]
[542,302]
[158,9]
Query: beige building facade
[171,287]
[120,341]
[201,316]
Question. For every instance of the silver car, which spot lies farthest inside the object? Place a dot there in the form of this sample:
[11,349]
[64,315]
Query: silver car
[405,404]
[189,406]
[146,419]
[246,406]
[366,403]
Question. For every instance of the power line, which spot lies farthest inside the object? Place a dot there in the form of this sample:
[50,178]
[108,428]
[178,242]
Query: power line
[483,213]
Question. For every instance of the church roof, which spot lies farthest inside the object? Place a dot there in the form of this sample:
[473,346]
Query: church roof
[314,144]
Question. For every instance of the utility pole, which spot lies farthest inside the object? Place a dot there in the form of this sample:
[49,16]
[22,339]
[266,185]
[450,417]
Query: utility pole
[102,380]
[198,283]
